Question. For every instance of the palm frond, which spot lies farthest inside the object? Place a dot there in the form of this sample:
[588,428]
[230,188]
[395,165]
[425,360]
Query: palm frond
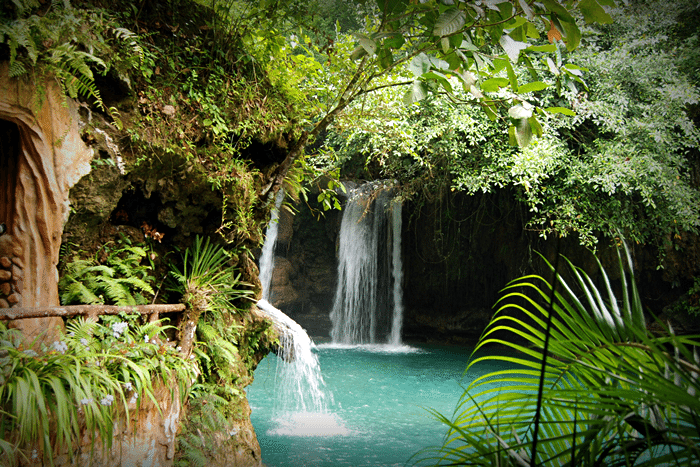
[613,394]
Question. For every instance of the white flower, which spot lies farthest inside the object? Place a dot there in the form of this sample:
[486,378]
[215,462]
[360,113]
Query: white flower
[145,338]
[134,396]
[86,401]
[71,334]
[30,353]
[127,386]
[119,328]
[60,346]
[107,400]
[84,341]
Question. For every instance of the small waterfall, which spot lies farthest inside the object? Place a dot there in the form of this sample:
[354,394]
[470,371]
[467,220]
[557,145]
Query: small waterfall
[299,385]
[368,306]
[267,257]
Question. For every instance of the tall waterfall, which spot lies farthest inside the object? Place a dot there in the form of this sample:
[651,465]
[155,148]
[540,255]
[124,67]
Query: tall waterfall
[299,383]
[368,306]
[267,257]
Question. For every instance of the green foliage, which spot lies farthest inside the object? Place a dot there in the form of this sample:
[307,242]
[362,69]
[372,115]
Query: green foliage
[585,382]
[75,390]
[116,275]
[224,348]
[206,281]
[614,156]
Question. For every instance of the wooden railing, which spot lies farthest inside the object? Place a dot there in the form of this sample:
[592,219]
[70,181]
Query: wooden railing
[91,311]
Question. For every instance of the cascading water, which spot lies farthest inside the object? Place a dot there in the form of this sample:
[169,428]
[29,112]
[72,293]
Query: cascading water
[267,257]
[368,306]
[299,374]
[301,401]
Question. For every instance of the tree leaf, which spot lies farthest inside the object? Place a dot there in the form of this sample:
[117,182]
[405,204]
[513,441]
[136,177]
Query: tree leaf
[558,10]
[523,132]
[392,7]
[358,53]
[511,77]
[419,65]
[417,92]
[449,22]
[593,12]
[560,110]
[542,48]
[493,84]
[520,112]
[535,126]
[529,14]
[368,44]
[532,87]
[512,47]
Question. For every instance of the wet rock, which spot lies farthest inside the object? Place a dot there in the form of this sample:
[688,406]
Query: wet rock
[4,304]
[5,262]
[5,288]
[5,275]
[14,298]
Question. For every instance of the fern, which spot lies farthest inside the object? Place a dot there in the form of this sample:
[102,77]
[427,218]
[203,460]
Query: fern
[130,37]
[74,72]
[121,280]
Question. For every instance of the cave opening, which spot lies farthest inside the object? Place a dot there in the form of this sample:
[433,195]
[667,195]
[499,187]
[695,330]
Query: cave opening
[9,160]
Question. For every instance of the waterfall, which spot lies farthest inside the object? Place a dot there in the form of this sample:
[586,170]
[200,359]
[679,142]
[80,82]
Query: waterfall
[300,385]
[267,257]
[397,274]
[298,381]
[368,304]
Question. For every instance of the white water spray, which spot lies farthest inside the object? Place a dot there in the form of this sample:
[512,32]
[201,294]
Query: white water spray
[300,383]
[368,306]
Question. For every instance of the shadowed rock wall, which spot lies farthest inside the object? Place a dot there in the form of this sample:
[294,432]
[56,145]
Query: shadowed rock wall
[459,251]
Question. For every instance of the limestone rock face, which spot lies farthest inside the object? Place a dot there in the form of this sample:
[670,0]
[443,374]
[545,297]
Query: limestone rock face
[41,158]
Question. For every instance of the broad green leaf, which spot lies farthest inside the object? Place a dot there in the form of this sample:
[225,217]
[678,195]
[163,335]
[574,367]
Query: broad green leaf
[440,78]
[358,53]
[575,69]
[542,48]
[368,44]
[520,111]
[449,22]
[395,41]
[560,11]
[392,7]
[529,14]
[493,84]
[535,126]
[560,110]
[417,92]
[573,35]
[419,65]
[532,87]
[385,57]
[512,47]
[445,43]
[593,12]
[511,77]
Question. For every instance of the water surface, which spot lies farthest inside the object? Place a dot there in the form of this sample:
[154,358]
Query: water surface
[377,412]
